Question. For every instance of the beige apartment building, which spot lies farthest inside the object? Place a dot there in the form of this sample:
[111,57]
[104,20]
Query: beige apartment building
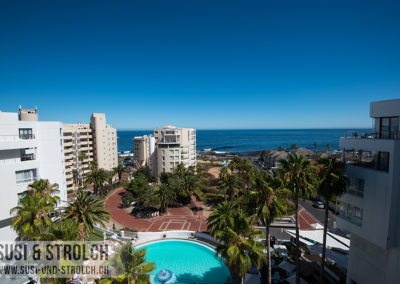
[84,143]
[174,146]
[78,150]
[104,142]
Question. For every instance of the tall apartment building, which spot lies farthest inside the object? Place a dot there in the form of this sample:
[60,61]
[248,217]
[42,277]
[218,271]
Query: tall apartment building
[144,150]
[370,208]
[104,142]
[84,143]
[29,150]
[166,149]
[174,146]
[78,149]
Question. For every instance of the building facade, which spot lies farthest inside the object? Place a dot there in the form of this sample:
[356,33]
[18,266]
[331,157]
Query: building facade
[174,146]
[370,208]
[78,149]
[29,150]
[144,150]
[85,143]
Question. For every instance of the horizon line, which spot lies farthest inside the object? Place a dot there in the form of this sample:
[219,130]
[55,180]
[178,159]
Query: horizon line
[311,128]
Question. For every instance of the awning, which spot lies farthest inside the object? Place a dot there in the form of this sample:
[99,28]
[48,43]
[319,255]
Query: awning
[312,237]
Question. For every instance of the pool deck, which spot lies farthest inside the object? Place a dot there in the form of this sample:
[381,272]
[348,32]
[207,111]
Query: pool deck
[175,218]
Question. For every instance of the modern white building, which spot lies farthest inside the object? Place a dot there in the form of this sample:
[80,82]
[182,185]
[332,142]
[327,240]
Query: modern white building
[174,146]
[144,150]
[29,150]
[370,209]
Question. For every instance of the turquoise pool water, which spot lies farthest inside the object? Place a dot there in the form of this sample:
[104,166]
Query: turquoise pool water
[191,261]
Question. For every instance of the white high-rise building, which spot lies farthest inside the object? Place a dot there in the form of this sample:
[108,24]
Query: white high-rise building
[29,150]
[174,146]
[144,150]
[370,209]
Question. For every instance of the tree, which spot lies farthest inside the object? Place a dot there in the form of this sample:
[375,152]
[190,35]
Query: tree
[298,176]
[237,242]
[188,186]
[229,183]
[144,172]
[97,177]
[32,220]
[332,183]
[315,145]
[271,204]
[134,266]
[328,146]
[119,170]
[87,210]
[110,176]
[280,148]
[293,146]
[164,195]
[44,189]
[222,216]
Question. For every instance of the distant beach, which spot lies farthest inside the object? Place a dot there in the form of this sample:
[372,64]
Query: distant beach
[245,141]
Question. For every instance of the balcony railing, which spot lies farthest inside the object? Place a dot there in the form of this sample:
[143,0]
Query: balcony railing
[28,157]
[27,136]
[372,135]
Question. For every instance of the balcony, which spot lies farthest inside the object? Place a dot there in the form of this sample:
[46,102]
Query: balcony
[28,157]
[372,135]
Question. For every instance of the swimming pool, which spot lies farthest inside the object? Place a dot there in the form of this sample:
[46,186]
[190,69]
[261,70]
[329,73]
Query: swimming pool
[190,261]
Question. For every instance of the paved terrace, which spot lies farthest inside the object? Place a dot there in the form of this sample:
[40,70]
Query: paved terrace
[175,218]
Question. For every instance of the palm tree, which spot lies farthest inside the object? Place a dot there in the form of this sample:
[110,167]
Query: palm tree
[293,146]
[222,217]
[328,146]
[135,267]
[180,170]
[119,170]
[87,210]
[164,194]
[298,176]
[189,184]
[97,177]
[230,185]
[280,148]
[32,220]
[315,145]
[110,176]
[332,183]
[44,189]
[237,243]
[66,230]
[271,204]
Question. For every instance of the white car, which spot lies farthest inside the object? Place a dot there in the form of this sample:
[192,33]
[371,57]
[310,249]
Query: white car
[319,204]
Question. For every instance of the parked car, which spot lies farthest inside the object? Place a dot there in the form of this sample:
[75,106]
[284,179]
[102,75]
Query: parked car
[319,204]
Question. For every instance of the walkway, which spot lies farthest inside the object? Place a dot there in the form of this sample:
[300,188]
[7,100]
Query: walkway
[175,219]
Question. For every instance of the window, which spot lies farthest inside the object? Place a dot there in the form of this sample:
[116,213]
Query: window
[356,187]
[163,152]
[26,176]
[163,163]
[171,164]
[26,133]
[171,152]
[351,213]
[176,151]
[171,158]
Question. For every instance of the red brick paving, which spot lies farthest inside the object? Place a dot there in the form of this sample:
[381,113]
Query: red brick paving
[175,218]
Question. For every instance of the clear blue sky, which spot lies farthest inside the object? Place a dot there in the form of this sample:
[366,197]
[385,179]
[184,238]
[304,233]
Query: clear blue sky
[204,64]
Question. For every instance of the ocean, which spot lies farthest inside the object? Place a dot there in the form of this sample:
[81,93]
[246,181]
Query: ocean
[252,140]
